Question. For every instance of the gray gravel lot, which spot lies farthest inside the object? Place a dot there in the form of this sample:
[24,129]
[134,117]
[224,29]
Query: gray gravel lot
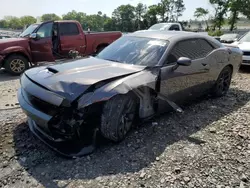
[207,146]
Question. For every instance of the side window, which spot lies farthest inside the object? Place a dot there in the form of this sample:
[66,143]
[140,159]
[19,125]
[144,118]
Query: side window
[45,30]
[174,28]
[206,48]
[193,49]
[68,29]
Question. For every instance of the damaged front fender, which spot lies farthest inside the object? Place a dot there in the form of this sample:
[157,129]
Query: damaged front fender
[141,84]
[146,78]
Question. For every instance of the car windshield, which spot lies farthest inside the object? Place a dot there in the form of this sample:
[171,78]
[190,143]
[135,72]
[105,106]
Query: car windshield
[245,38]
[160,26]
[29,30]
[135,50]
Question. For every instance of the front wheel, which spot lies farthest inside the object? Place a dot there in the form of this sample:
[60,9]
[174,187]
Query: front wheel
[16,64]
[223,82]
[117,117]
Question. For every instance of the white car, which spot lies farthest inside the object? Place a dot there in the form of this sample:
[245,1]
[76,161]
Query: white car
[166,27]
[244,44]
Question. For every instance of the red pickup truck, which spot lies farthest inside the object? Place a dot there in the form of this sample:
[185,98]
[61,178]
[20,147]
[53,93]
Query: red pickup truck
[49,41]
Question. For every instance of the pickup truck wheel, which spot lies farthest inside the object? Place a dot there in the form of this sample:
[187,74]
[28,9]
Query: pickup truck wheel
[16,64]
[117,117]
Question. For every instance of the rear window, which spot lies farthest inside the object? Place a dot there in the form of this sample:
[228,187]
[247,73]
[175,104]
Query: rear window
[174,28]
[191,48]
[67,29]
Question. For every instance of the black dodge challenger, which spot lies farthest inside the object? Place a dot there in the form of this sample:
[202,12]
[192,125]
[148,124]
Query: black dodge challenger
[136,77]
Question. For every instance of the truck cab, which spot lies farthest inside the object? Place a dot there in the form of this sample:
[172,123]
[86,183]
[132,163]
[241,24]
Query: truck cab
[53,40]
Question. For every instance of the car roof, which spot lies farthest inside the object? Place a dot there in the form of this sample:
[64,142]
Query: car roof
[167,35]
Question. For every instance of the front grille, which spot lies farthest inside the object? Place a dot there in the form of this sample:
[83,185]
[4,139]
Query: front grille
[246,53]
[42,106]
[246,61]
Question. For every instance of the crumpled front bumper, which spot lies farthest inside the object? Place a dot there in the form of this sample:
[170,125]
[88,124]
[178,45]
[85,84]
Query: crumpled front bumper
[39,125]
[62,147]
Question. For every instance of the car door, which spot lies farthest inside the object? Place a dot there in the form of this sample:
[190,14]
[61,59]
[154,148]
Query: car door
[182,82]
[41,46]
[71,38]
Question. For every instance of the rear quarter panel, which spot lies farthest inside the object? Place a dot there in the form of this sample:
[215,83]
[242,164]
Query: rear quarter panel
[236,59]
[220,58]
[99,38]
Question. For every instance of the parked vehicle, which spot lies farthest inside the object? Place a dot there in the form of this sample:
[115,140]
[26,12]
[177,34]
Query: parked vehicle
[216,37]
[49,41]
[229,38]
[244,44]
[136,77]
[167,27]
[4,36]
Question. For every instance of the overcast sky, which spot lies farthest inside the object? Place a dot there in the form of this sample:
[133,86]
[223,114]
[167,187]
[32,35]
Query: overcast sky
[37,8]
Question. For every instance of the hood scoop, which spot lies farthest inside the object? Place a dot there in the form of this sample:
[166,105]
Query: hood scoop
[50,69]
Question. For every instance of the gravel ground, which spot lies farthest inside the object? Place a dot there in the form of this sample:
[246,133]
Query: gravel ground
[207,146]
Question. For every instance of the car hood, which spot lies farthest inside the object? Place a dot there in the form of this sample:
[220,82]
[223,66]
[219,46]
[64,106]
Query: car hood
[9,42]
[12,40]
[72,79]
[244,46]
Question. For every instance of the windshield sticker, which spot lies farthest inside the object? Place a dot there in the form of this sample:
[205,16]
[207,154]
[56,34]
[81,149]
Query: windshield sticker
[157,43]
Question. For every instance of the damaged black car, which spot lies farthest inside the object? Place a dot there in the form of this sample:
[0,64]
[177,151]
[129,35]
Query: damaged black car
[136,77]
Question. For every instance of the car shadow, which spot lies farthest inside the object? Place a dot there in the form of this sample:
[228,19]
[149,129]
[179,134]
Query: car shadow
[139,150]
[244,69]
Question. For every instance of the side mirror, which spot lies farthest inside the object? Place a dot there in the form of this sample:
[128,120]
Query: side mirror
[33,36]
[184,61]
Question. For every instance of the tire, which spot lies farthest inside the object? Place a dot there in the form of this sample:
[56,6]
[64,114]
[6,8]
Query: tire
[16,64]
[223,82]
[117,117]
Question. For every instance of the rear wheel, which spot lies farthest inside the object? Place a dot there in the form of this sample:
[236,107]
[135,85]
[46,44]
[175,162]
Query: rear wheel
[16,64]
[117,117]
[223,82]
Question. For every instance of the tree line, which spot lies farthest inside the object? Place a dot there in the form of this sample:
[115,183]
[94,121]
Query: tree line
[128,18]
[224,10]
